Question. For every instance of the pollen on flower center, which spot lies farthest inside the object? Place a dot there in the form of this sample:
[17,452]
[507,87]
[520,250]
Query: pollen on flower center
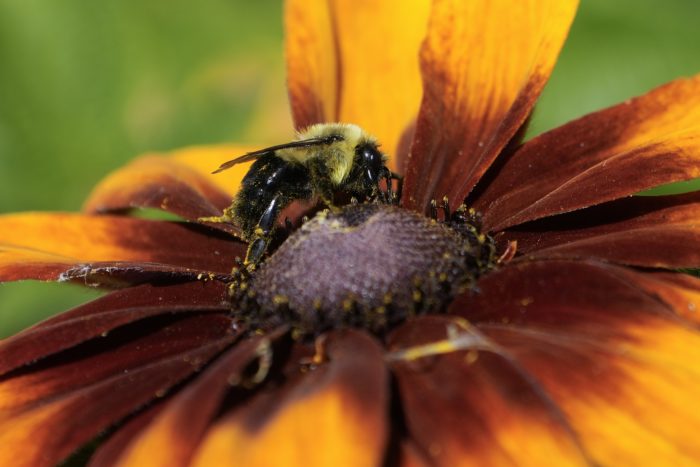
[367,265]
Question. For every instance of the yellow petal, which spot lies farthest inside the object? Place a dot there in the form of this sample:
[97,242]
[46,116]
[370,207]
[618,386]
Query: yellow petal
[332,415]
[160,183]
[41,246]
[606,347]
[631,405]
[42,432]
[170,439]
[484,64]
[312,68]
[206,159]
[356,61]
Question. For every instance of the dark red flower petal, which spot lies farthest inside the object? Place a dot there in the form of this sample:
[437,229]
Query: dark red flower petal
[471,401]
[173,436]
[85,390]
[659,231]
[335,414]
[99,317]
[641,143]
[584,296]
[409,455]
[681,292]
[615,356]
[484,64]
[115,275]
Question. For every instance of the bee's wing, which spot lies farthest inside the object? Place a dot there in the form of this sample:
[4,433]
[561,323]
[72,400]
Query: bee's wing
[304,143]
[244,158]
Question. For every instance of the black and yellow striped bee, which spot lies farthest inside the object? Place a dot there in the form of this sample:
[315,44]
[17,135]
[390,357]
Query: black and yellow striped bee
[325,160]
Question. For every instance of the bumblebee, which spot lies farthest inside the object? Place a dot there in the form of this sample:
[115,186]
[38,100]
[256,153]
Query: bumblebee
[324,162]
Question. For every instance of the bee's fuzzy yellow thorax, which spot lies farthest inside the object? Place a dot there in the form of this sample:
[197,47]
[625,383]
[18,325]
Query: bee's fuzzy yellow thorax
[340,154]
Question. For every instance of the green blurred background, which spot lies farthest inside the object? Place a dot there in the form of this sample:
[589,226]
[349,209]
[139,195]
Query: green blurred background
[85,86]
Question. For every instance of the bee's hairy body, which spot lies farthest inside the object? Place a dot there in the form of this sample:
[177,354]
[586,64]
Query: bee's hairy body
[324,160]
[336,158]
[269,177]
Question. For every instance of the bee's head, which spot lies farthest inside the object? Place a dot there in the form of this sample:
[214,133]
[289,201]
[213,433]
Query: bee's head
[362,165]
[372,161]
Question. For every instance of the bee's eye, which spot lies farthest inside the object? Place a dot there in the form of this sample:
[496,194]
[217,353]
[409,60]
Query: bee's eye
[373,163]
[371,157]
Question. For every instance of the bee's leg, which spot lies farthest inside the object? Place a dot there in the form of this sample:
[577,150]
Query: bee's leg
[399,185]
[387,195]
[261,236]
[446,209]
[433,209]
[391,196]
[256,249]
[389,187]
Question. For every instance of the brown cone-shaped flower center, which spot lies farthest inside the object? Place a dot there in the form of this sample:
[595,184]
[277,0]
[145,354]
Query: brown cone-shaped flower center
[367,265]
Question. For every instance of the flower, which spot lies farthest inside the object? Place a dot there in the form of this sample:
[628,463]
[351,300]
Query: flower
[581,349]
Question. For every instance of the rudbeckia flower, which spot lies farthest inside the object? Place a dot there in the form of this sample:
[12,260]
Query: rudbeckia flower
[574,342]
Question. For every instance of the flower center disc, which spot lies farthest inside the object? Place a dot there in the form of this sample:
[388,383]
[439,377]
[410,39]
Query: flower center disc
[366,265]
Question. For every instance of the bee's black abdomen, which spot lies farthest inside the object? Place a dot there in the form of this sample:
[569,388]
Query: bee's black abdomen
[272,183]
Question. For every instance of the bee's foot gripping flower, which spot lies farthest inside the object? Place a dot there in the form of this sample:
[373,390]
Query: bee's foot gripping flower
[350,268]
